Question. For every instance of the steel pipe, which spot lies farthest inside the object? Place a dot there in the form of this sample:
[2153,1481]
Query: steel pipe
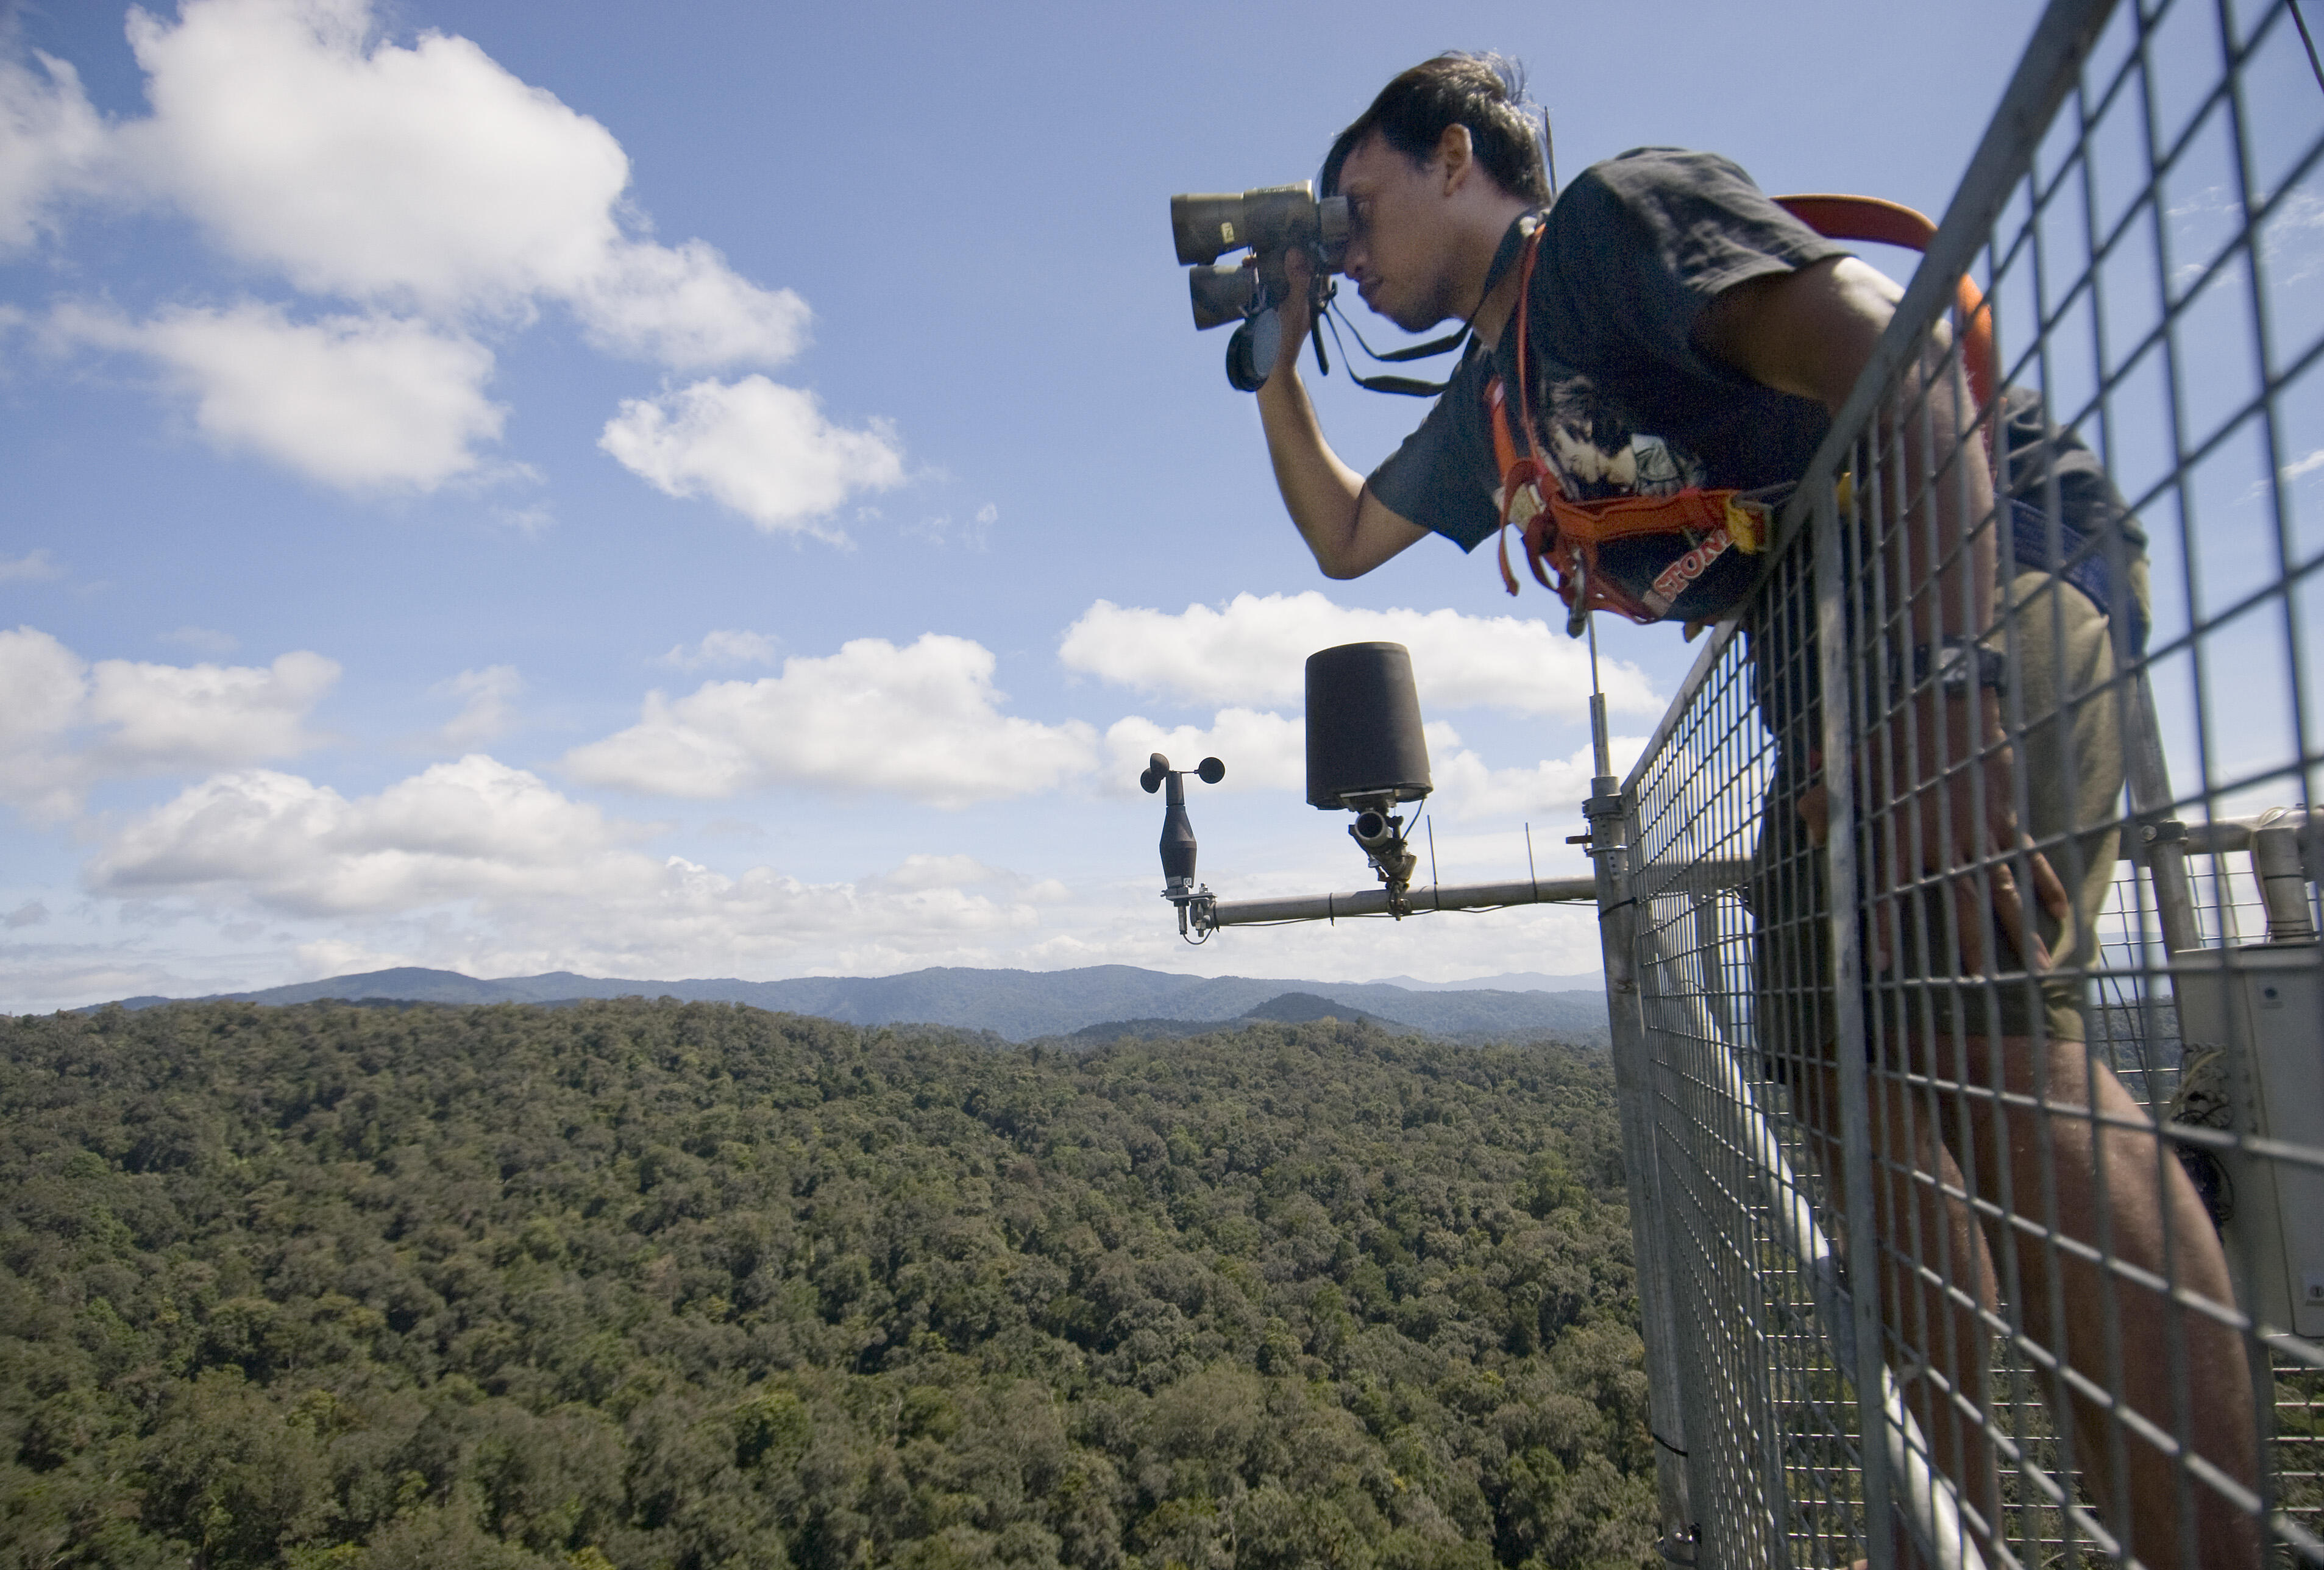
[1375,901]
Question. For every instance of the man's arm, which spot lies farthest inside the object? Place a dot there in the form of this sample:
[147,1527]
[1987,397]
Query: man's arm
[1350,529]
[1810,333]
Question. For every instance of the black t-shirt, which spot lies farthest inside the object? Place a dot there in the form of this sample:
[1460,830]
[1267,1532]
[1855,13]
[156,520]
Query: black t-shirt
[1630,254]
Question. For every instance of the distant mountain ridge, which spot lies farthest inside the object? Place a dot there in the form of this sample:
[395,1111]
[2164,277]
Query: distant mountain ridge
[1019,1004]
[1512,981]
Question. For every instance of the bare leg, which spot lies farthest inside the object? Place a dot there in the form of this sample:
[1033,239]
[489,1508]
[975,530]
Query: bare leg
[2109,1193]
[2117,1190]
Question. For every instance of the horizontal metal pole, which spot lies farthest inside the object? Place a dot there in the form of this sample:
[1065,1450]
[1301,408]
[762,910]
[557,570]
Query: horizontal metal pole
[1697,878]
[2223,835]
[1708,874]
[1374,901]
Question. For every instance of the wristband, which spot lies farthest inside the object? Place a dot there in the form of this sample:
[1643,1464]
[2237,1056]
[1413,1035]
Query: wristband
[1960,666]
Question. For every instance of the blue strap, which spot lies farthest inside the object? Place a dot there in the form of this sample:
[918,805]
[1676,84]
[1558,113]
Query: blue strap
[2080,561]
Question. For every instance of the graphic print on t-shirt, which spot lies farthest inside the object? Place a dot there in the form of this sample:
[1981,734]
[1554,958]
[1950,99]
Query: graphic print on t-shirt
[1593,448]
[1596,454]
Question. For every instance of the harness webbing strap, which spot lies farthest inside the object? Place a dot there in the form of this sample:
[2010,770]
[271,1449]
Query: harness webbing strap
[1522,499]
[1552,527]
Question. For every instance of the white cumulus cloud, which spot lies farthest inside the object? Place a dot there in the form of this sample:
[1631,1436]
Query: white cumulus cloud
[169,718]
[445,198]
[498,872]
[762,449]
[355,401]
[923,721]
[66,723]
[43,687]
[683,306]
[1254,651]
[51,141]
[462,830]
[32,567]
[485,710]
[426,177]
[921,872]
[1262,751]
[1468,789]
[722,646]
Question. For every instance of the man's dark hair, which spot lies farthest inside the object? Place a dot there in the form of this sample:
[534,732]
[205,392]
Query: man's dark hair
[1484,92]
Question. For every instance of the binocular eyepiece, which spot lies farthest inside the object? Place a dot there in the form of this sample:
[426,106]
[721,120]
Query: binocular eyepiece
[1269,222]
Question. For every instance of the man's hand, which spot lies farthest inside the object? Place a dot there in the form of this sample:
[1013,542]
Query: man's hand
[1958,824]
[1961,821]
[1296,314]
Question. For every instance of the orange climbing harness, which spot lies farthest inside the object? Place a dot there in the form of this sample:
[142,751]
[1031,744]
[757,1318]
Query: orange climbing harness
[1687,533]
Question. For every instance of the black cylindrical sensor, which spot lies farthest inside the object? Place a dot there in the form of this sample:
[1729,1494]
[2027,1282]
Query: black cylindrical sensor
[1363,726]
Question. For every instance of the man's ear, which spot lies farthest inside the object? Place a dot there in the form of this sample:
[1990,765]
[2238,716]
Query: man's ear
[1458,155]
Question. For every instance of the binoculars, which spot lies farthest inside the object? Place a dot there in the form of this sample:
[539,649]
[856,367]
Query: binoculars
[1269,223]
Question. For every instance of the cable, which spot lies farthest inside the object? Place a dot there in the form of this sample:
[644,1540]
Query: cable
[1409,386]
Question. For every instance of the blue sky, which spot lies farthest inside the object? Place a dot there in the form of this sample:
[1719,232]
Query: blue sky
[732,489]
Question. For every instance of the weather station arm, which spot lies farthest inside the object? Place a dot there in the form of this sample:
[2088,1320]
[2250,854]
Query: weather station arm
[1365,756]
[1220,913]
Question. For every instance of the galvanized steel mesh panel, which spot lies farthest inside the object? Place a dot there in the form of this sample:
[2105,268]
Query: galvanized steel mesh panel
[2076,1172]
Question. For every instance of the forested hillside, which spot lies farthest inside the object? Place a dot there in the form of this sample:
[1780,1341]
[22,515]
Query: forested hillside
[694,1285]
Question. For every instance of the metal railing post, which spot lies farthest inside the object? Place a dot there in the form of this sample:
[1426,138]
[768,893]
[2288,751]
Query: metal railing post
[1611,817]
[2160,839]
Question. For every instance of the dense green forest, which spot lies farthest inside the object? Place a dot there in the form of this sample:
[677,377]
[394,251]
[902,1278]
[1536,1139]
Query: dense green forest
[643,1284]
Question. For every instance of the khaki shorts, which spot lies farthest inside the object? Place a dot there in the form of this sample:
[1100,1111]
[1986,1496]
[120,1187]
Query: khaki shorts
[2066,712]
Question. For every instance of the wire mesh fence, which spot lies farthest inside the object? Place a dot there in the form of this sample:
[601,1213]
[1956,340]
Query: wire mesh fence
[1961,914]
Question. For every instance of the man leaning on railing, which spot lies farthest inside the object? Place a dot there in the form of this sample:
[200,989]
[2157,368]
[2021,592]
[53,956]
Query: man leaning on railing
[1667,327]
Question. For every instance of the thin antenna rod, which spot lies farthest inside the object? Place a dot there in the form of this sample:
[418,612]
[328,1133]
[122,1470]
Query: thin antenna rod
[1431,821]
[1531,876]
[1600,750]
